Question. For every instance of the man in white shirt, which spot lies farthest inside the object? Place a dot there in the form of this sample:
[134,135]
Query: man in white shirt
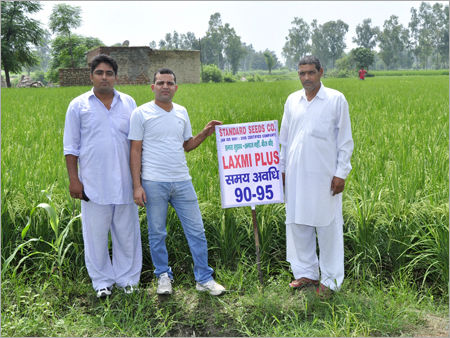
[96,140]
[160,133]
[316,149]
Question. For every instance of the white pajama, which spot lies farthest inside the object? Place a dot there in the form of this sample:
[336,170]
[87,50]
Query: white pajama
[301,251]
[122,221]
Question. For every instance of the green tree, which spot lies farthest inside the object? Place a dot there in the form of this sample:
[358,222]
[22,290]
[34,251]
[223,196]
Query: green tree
[363,57]
[297,42]
[166,44]
[259,61]
[346,64]
[429,34]
[221,45]
[443,38]
[211,73]
[189,41]
[252,59]
[43,52]
[63,56]
[392,41]
[366,36]
[271,59]
[319,45]
[63,19]
[246,61]
[212,44]
[19,33]
[328,40]
[232,47]
[173,41]
[170,42]
[176,40]
[422,33]
[413,43]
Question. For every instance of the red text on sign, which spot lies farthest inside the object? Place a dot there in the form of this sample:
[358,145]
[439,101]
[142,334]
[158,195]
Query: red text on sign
[237,161]
[267,158]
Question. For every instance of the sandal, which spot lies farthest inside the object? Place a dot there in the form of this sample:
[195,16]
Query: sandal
[303,282]
[324,292]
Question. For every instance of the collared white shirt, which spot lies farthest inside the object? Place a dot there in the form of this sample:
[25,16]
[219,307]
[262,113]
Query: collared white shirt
[163,134]
[317,144]
[99,137]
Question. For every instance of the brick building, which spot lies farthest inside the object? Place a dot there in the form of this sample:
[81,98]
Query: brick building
[137,65]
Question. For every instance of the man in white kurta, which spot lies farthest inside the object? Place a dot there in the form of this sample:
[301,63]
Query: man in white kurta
[317,146]
[96,141]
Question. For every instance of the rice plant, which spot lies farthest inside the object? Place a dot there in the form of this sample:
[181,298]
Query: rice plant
[395,204]
[48,253]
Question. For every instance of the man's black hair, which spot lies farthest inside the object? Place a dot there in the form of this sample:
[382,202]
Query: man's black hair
[164,71]
[310,60]
[105,59]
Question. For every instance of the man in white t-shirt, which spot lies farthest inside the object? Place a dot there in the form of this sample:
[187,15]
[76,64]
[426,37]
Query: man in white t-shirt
[317,145]
[160,133]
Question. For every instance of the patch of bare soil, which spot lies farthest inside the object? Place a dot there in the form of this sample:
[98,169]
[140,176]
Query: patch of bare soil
[434,327]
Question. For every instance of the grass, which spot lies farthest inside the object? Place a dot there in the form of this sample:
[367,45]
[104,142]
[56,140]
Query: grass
[409,72]
[395,210]
[284,74]
[362,308]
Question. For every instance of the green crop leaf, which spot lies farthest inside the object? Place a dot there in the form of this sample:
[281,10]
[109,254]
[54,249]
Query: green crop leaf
[54,222]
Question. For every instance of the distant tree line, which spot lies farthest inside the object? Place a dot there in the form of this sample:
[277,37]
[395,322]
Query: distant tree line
[423,44]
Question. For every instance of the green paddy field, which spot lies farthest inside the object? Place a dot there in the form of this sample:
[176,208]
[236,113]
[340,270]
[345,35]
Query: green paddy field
[396,213]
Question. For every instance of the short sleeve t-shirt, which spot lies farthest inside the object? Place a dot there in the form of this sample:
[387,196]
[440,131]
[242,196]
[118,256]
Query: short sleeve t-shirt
[162,134]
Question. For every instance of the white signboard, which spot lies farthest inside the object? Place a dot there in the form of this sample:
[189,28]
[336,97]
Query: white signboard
[249,157]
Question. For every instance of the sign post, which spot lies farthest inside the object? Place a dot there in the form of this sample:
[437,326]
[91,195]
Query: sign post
[249,157]
[258,256]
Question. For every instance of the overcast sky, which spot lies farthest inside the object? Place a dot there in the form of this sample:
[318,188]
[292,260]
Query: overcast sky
[264,24]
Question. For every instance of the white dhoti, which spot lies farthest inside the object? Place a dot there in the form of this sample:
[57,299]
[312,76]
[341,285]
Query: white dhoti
[302,254]
[122,220]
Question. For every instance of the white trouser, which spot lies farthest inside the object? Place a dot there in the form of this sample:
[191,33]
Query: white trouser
[123,222]
[302,255]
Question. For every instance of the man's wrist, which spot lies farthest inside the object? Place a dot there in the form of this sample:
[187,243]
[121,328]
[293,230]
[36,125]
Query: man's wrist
[74,179]
[137,186]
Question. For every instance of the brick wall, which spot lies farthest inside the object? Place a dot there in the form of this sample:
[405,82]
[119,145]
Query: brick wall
[74,77]
[133,63]
[138,64]
[185,64]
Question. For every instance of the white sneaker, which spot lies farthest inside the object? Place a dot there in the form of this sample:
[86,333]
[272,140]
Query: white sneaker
[104,292]
[214,288]
[164,285]
[130,289]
